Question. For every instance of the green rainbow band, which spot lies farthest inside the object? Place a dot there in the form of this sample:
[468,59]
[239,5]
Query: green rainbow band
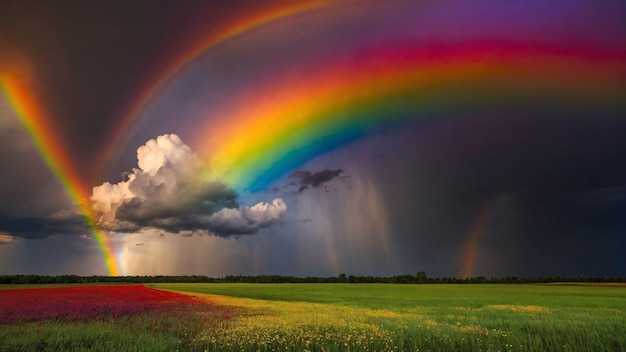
[271,132]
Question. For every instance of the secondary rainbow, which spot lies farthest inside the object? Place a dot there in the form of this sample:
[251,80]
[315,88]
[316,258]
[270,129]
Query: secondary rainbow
[469,252]
[125,128]
[39,129]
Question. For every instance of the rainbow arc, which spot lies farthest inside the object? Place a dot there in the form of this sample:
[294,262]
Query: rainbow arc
[38,127]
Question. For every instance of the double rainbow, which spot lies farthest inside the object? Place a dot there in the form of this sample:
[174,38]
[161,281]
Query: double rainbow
[273,127]
[130,120]
[38,125]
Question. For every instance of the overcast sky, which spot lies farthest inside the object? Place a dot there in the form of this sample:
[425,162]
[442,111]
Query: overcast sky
[453,138]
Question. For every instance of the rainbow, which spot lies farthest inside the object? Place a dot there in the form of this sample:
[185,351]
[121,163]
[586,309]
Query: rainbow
[274,127]
[39,129]
[469,253]
[277,127]
[124,129]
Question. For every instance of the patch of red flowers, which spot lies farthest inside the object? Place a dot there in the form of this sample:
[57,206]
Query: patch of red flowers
[85,302]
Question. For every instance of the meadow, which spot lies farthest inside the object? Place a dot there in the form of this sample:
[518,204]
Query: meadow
[345,317]
[102,318]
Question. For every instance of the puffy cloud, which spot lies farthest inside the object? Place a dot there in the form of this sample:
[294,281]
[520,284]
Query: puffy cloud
[247,220]
[172,190]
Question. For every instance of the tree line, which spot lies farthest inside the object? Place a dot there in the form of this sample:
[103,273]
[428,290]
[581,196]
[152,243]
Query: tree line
[419,278]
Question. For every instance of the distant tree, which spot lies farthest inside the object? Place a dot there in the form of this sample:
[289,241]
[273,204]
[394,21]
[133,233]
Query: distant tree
[342,278]
[421,277]
[402,279]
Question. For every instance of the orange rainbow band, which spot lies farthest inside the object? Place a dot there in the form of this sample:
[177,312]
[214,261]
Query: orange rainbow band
[122,133]
[272,129]
[39,130]
[469,253]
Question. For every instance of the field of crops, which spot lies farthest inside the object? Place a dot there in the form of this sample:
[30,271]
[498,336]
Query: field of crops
[317,317]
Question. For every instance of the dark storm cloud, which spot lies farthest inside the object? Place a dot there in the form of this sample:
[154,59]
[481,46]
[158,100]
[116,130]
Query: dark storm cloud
[214,198]
[306,179]
[136,213]
[43,227]
[227,221]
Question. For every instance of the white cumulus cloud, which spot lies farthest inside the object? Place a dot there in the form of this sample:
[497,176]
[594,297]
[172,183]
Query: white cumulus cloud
[171,190]
[248,219]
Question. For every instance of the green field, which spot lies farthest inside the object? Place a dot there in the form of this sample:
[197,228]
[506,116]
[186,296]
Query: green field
[419,317]
[365,317]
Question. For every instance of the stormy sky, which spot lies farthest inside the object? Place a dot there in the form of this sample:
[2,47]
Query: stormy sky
[454,138]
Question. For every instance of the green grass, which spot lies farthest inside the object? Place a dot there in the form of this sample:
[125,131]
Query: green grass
[132,334]
[390,296]
[353,317]
[424,317]
[146,332]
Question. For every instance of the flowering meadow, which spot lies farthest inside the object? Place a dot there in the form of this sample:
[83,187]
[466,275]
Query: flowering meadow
[84,303]
[104,318]
[313,317]
[386,317]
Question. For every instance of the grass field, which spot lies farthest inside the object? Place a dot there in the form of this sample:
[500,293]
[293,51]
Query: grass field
[418,317]
[356,317]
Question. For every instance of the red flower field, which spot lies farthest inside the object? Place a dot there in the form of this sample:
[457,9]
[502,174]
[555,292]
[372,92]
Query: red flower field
[85,302]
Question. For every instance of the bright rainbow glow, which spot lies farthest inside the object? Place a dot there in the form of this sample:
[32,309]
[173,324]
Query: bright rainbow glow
[122,133]
[275,128]
[39,129]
